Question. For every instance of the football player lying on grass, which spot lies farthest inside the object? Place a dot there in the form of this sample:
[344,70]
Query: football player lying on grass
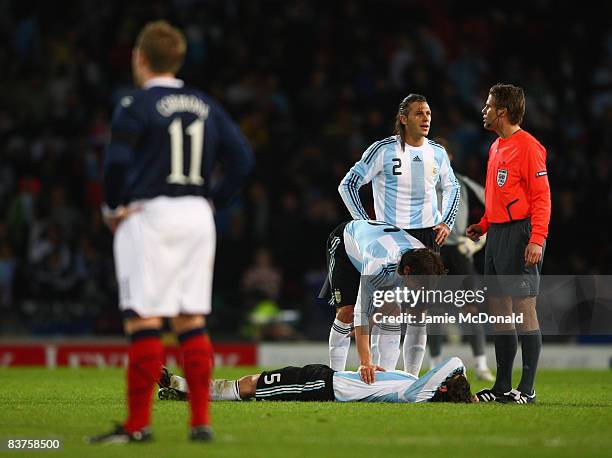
[316,382]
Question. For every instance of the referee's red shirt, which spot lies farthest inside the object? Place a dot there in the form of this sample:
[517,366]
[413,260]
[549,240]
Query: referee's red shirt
[517,184]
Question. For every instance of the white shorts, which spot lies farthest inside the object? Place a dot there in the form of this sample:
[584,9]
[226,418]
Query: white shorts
[164,257]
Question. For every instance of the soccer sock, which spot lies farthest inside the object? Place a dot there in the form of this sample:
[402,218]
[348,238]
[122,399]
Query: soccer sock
[144,368]
[531,345]
[434,361]
[481,362]
[225,390]
[477,340]
[415,341]
[506,343]
[374,344]
[339,344]
[197,365]
[388,342]
[179,383]
[435,345]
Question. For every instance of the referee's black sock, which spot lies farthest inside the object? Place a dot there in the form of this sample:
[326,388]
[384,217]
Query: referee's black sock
[434,341]
[506,344]
[531,345]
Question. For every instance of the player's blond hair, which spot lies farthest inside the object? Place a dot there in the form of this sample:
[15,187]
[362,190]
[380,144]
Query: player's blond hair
[163,45]
[512,98]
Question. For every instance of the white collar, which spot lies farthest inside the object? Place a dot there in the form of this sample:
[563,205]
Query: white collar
[163,81]
[424,145]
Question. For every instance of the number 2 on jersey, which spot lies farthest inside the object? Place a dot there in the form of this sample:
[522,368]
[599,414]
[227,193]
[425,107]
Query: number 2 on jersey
[397,166]
[195,131]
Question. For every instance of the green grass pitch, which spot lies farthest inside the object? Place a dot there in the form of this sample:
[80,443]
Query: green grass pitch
[573,417]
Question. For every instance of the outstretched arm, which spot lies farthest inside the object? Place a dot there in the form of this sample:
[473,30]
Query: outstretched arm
[366,369]
[425,387]
[362,330]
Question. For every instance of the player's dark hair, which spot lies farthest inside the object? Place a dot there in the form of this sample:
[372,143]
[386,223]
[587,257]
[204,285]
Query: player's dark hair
[163,45]
[404,109]
[422,261]
[454,389]
[512,98]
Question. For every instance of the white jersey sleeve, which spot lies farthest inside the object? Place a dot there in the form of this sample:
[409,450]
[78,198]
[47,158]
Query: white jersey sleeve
[451,192]
[425,387]
[362,172]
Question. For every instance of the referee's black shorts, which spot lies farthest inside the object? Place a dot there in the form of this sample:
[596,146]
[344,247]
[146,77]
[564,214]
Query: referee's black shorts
[504,267]
[342,284]
[314,382]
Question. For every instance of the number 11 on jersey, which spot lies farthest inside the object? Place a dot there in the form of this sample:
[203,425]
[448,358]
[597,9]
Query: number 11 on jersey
[195,131]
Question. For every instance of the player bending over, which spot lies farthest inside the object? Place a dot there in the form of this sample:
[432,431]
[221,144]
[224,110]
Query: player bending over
[316,382]
[365,256]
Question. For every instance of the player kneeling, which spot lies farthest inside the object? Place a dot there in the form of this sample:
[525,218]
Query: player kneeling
[316,382]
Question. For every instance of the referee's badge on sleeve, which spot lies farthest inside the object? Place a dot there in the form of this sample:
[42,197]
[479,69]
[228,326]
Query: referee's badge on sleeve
[502,175]
[338,296]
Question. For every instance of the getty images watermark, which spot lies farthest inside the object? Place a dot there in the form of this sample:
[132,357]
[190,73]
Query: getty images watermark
[411,297]
[567,305]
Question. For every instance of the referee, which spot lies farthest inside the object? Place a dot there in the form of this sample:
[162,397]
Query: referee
[517,213]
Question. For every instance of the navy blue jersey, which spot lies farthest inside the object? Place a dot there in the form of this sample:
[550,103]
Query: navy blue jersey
[166,140]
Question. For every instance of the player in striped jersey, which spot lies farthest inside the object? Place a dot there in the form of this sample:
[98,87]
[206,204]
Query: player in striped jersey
[363,257]
[404,170]
[316,382]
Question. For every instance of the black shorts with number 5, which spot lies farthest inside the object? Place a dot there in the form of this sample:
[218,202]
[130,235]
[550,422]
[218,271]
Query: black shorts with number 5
[309,383]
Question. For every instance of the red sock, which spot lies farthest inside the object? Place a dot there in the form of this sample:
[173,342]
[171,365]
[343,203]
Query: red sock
[197,365]
[144,368]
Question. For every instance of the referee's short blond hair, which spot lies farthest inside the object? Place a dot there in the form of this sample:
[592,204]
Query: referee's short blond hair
[512,98]
[163,45]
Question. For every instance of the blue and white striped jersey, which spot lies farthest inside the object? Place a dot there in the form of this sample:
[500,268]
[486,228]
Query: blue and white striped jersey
[375,249]
[395,386]
[403,184]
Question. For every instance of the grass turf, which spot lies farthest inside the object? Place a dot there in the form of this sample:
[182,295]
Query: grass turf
[573,417]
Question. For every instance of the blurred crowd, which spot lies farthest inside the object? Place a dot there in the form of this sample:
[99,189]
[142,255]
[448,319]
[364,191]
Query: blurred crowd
[311,85]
